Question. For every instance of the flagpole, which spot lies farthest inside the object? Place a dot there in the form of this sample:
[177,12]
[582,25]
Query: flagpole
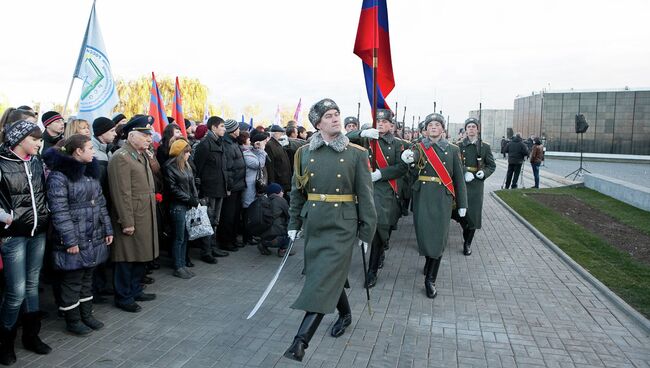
[67,99]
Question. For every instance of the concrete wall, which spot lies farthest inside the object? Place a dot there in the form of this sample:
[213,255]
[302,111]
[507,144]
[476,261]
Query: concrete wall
[619,121]
[629,193]
[495,124]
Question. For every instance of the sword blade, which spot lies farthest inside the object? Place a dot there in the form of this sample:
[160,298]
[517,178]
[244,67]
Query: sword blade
[272,283]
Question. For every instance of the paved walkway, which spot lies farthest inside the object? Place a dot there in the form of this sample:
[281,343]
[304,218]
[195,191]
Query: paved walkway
[513,303]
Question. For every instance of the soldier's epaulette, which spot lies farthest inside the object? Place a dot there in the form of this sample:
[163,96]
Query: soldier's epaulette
[455,145]
[357,147]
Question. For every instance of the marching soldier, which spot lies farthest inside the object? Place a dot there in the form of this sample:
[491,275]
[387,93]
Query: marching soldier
[386,149]
[332,201]
[351,124]
[479,165]
[438,186]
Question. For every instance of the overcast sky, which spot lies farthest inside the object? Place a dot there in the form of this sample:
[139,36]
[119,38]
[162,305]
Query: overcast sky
[274,52]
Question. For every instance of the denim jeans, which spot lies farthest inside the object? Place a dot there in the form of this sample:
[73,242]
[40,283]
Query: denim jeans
[536,173]
[179,246]
[22,257]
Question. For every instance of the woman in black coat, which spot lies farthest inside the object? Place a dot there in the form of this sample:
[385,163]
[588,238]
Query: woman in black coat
[182,195]
[82,227]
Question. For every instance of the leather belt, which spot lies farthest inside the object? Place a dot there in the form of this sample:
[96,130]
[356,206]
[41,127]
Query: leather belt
[471,168]
[430,178]
[330,197]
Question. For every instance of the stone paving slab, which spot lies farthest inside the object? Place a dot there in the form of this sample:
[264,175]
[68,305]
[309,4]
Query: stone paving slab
[513,303]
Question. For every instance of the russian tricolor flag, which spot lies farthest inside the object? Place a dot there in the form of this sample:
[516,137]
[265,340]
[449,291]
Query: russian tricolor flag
[373,33]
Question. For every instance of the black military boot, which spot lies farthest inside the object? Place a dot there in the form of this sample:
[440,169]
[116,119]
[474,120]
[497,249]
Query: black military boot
[345,316]
[306,331]
[468,242]
[427,265]
[430,278]
[7,339]
[73,323]
[31,329]
[87,317]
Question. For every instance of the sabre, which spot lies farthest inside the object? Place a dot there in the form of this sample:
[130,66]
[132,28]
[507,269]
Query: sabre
[272,283]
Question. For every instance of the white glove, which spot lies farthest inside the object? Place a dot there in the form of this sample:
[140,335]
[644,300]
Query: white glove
[370,133]
[408,156]
[284,141]
[375,175]
[480,174]
[364,246]
[462,212]
[469,177]
[293,234]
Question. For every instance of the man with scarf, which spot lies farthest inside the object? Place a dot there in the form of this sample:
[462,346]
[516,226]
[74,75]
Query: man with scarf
[332,201]
[438,187]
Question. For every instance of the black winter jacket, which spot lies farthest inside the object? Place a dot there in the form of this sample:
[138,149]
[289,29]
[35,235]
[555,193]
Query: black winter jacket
[279,168]
[280,209]
[210,162]
[517,151]
[79,213]
[235,165]
[179,185]
[22,190]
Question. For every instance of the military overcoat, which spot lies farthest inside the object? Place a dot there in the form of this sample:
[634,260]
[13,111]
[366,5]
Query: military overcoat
[473,162]
[432,202]
[132,191]
[331,229]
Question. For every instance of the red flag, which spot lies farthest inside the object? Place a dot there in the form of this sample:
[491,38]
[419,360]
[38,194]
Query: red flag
[157,110]
[177,109]
[296,115]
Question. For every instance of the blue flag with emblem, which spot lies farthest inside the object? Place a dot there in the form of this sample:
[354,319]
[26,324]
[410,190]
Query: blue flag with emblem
[98,92]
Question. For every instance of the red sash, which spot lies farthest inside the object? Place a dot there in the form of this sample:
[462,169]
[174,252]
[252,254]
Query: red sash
[439,168]
[382,163]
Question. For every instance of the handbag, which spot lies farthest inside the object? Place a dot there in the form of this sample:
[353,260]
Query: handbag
[260,182]
[197,223]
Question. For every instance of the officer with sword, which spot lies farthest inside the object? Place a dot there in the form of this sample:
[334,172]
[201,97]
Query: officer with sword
[332,202]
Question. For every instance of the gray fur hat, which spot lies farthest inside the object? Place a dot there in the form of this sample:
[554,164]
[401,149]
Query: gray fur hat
[319,109]
[385,115]
[435,117]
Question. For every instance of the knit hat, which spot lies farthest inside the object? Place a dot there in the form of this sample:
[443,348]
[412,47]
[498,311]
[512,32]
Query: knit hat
[273,188]
[231,125]
[434,117]
[118,117]
[18,131]
[102,125]
[258,136]
[50,117]
[319,109]
[200,131]
[177,147]
[472,121]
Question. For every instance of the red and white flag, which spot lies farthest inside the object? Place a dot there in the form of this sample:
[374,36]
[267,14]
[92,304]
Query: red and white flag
[296,115]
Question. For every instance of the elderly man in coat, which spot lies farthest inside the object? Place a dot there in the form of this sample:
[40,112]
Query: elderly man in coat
[438,186]
[134,214]
[332,200]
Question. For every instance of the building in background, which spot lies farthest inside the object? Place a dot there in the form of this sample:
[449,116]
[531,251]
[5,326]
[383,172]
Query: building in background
[494,125]
[619,120]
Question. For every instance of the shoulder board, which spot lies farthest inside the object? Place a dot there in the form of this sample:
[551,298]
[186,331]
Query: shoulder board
[357,147]
[453,145]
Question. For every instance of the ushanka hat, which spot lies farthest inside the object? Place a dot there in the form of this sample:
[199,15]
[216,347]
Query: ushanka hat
[18,131]
[50,117]
[351,120]
[434,117]
[472,121]
[319,109]
[383,114]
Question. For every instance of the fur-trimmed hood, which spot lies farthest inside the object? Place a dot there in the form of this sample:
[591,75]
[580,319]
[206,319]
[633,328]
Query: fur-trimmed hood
[338,144]
[71,168]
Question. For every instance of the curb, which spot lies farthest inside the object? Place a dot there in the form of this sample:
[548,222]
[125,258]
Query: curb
[562,181]
[643,322]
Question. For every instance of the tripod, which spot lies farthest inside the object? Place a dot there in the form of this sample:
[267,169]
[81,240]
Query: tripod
[580,170]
